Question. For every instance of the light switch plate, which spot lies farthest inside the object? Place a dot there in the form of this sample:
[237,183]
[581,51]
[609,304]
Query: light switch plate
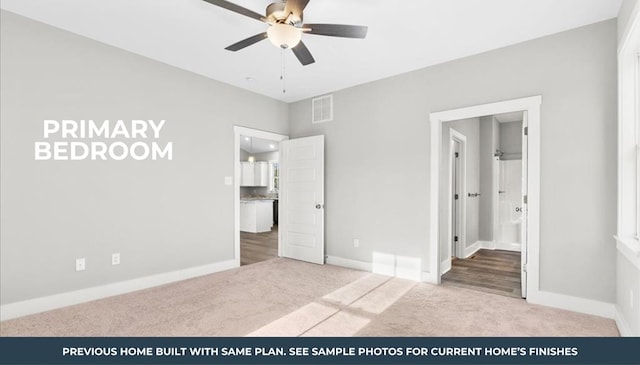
[80,264]
[228,180]
[115,259]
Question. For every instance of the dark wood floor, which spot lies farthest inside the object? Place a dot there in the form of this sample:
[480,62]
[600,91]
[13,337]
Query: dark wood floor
[256,247]
[491,271]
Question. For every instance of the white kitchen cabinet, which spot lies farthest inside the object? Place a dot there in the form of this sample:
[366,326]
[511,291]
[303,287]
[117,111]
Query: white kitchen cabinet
[256,216]
[254,173]
[247,174]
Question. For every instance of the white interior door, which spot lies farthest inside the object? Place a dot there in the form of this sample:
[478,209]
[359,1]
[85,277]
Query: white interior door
[302,199]
[523,225]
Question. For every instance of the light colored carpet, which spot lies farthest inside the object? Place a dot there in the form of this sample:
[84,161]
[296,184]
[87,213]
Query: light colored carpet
[430,310]
[289,298]
[229,303]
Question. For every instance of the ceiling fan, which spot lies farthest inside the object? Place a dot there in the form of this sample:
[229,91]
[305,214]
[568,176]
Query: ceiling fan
[286,27]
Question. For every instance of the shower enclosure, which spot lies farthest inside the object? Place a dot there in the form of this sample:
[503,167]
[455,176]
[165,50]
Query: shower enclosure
[509,204]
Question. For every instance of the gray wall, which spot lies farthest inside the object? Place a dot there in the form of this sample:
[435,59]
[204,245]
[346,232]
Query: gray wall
[160,215]
[511,139]
[489,142]
[381,195]
[470,128]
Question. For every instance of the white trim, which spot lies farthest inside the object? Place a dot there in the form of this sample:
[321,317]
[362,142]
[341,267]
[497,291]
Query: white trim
[249,132]
[495,185]
[628,199]
[571,303]
[349,263]
[532,106]
[454,135]
[445,265]
[430,277]
[633,22]
[630,250]
[507,246]
[37,305]
[623,325]
[490,245]
[404,268]
[627,102]
[468,251]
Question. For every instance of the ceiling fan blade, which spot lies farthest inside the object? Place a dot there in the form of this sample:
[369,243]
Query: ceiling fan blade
[302,53]
[247,42]
[337,30]
[296,7]
[237,9]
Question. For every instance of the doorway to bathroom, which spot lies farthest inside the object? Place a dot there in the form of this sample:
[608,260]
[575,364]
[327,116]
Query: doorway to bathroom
[486,202]
[494,239]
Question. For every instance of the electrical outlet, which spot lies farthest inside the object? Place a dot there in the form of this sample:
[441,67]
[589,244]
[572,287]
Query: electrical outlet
[356,243]
[115,259]
[80,264]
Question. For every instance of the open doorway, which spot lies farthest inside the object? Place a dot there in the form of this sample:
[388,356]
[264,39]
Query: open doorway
[484,157]
[257,193]
[498,196]
[259,190]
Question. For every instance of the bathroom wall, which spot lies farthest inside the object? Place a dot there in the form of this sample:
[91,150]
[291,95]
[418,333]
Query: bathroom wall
[511,140]
[489,143]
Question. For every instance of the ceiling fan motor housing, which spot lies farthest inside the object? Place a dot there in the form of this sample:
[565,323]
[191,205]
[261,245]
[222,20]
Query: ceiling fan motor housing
[276,13]
[285,30]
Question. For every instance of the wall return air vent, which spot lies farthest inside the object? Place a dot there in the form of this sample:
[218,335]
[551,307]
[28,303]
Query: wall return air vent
[322,109]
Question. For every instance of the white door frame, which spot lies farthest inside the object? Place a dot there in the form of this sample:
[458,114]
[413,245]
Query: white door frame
[454,135]
[249,132]
[532,106]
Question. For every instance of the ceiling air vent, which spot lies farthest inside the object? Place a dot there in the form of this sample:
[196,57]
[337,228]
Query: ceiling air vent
[322,109]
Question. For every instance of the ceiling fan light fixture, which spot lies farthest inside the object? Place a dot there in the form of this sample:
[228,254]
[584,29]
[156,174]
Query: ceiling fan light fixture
[284,35]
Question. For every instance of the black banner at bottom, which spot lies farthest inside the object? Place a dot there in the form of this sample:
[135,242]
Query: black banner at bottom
[353,350]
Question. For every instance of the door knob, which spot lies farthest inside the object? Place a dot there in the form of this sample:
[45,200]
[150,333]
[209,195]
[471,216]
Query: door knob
[318,206]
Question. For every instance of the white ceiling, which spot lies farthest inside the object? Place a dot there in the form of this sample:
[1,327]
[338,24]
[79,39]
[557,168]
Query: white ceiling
[258,145]
[403,35]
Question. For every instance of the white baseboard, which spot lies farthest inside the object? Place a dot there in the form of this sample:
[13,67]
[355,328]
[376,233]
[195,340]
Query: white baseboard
[430,277]
[397,266]
[468,251]
[445,266]
[507,246]
[349,263]
[574,304]
[623,325]
[37,305]
[490,245]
